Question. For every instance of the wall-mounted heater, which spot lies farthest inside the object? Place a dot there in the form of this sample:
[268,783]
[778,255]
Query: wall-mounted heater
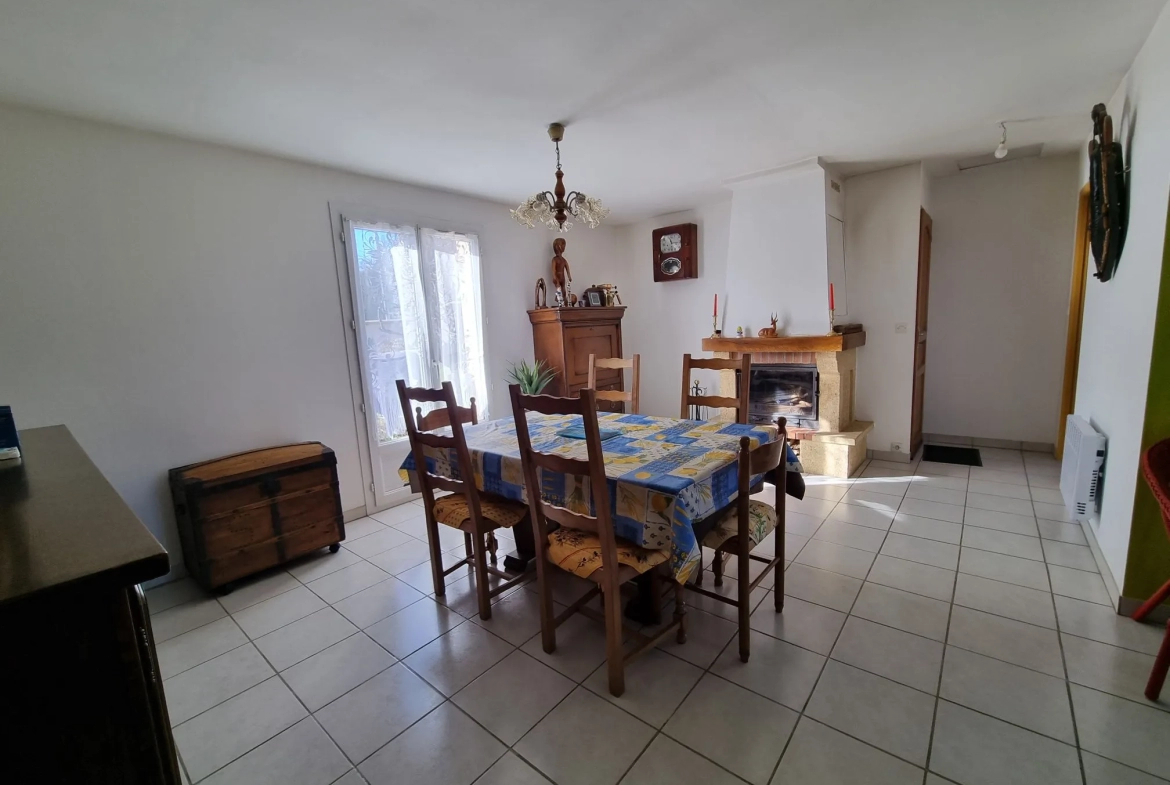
[1080,471]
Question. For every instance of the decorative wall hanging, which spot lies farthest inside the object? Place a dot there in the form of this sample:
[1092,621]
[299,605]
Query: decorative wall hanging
[554,208]
[1108,207]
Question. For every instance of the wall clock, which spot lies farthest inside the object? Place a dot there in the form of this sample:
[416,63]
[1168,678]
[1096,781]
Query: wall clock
[1107,195]
[676,252]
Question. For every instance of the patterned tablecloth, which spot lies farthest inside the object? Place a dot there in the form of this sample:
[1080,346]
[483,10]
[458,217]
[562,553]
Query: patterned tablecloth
[664,474]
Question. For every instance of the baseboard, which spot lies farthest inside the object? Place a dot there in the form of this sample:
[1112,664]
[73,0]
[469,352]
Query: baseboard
[889,455]
[1128,605]
[354,514]
[976,441]
[1102,566]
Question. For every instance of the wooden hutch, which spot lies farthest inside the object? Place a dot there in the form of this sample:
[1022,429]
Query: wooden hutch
[563,338]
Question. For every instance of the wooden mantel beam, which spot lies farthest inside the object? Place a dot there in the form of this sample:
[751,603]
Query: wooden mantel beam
[835,342]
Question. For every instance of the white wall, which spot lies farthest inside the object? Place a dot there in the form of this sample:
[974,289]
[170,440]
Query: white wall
[1118,327]
[999,288]
[881,259]
[777,259]
[172,301]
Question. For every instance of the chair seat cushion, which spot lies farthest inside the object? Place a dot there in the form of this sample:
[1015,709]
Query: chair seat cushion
[579,552]
[761,523]
[453,511]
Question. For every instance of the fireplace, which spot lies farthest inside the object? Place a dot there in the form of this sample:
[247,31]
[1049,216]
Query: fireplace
[785,390]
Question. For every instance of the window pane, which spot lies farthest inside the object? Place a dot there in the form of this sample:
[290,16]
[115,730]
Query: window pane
[451,280]
[392,312]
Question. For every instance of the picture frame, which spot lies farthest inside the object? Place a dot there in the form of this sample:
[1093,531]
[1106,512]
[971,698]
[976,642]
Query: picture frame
[594,297]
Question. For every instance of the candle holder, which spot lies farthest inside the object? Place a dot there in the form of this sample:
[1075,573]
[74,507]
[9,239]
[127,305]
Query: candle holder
[715,331]
[832,321]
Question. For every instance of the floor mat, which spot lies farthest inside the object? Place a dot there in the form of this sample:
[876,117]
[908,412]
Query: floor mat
[964,456]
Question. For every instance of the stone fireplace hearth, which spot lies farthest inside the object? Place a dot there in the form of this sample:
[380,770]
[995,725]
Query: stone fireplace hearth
[833,443]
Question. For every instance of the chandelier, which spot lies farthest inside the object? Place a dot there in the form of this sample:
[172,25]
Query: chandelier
[554,208]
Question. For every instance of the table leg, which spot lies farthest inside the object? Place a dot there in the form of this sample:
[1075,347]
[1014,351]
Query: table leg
[525,548]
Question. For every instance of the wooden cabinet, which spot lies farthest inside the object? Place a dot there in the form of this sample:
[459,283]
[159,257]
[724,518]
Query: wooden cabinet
[563,338]
[254,510]
[83,697]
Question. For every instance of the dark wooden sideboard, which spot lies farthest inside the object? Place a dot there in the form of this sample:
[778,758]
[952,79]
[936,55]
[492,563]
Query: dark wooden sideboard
[565,337]
[82,698]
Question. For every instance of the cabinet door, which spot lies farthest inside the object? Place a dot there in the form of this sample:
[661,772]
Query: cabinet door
[580,342]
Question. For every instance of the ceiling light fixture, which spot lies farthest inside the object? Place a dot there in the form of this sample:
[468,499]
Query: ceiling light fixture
[1002,150]
[554,208]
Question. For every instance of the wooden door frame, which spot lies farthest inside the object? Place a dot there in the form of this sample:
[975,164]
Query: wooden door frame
[1076,313]
[918,401]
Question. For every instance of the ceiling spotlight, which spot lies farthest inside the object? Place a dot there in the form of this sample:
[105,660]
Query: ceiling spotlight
[1002,150]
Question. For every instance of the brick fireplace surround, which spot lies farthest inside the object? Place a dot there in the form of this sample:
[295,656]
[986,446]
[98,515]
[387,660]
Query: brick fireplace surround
[837,446]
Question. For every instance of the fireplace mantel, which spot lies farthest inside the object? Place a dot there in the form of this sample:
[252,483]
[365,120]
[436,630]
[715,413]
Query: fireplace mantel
[835,342]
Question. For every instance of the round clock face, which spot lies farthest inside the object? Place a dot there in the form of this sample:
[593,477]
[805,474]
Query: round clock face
[670,243]
[671,265]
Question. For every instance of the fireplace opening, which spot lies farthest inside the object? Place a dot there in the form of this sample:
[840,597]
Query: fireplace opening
[784,390]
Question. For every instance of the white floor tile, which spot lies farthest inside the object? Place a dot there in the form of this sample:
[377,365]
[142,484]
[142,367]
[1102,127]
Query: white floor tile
[666,762]
[378,542]
[443,748]
[301,755]
[331,673]
[350,580]
[516,617]
[1062,532]
[835,558]
[402,557]
[1000,567]
[170,595]
[902,610]
[511,770]
[924,508]
[377,602]
[564,744]
[983,501]
[818,754]
[514,694]
[900,656]
[175,621]
[1002,489]
[805,624]
[798,523]
[220,735]
[303,638]
[400,513]
[413,627]
[821,587]
[851,535]
[923,551]
[741,731]
[580,648]
[454,659]
[973,748]
[927,528]
[1078,584]
[1017,695]
[1005,639]
[868,496]
[1100,771]
[888,715]
[863,516]
[365,718]
[198,646]
[1046,495]
[1001,521]
[1123,731]
[1064,554]
[656,684]
[1005,599]
[196,690]
[249,591]
[1100,623]
[1052,512]
[1110,669]
[1003,542]
[776,669]
[931,491]
[320,564]
[995,475]
[913,577]
[706,635]
[362,527]
[272,614]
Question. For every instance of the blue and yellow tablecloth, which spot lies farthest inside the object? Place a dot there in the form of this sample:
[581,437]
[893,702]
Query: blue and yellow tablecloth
[664,474]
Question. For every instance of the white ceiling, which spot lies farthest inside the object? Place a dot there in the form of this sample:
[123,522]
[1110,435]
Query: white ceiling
[664,99]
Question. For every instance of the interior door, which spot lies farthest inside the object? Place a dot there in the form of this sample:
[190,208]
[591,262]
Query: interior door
[392,341]
[925,233]
[1076,311]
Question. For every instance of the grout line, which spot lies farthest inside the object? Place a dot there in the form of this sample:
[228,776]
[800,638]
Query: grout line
[938,686]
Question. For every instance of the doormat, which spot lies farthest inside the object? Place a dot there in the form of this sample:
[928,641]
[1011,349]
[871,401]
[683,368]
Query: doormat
[964,456]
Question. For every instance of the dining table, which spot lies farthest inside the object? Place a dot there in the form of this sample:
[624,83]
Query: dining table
[667,476]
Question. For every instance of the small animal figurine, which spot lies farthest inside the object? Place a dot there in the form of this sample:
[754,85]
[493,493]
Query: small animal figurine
[541,295]
[769,332]
[562,275]
[617,298]
[572,300]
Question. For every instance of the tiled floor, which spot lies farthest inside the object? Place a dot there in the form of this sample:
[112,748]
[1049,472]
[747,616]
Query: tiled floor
[941,625]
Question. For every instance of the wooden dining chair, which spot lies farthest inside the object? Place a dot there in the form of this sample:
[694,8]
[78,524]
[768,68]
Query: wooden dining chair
[441,418]
[740,403]
[618,364]
[586,545]
[747,523]
[467,508]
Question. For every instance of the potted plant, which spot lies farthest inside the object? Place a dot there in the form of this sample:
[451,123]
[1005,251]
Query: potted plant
[532,377]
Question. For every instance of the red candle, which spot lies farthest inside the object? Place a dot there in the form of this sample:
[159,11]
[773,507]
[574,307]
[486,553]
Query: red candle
[715,307]
[832,306]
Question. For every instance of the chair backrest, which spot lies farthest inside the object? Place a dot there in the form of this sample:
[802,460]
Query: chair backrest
[441,418]
[593,467]
[419,440]
[1156,467]
[740,403]
[616,363]
[765,459]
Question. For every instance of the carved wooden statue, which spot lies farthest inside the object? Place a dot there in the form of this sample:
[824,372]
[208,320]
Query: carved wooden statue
[541,295]
[769,332]
[562,275]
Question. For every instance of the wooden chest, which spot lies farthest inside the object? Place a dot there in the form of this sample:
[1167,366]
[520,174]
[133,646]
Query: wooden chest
[565,337]
[250,511]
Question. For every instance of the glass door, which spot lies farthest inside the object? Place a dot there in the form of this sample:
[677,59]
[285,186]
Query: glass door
[417,317]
